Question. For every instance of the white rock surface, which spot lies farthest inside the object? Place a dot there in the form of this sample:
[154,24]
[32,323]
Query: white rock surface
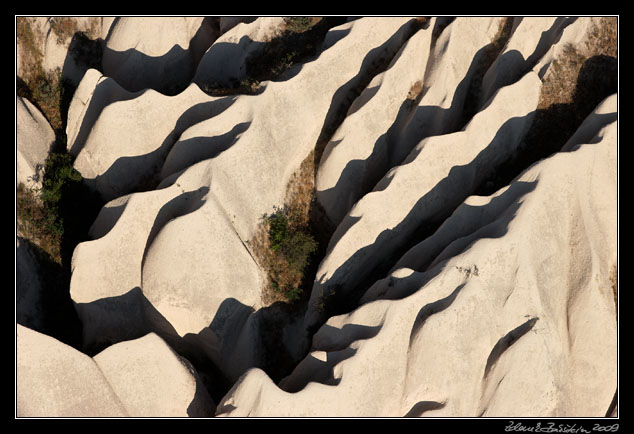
[55,380]
[506,322]
[35,136]
[151,380]
[128,141]
[359,151]
[93,94]
[227,23]
[604,114]
[456,57]
[445,304]
[529,42]
[140,378]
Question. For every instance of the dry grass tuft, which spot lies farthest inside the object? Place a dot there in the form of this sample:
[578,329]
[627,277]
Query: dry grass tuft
[560,83]
[45,90]
[300,192]
[63,27]
[283,244]
[31,56]
[299,24]
[603,38]
[415,90]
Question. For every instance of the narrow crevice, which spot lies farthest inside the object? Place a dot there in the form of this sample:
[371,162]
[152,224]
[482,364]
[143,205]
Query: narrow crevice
[277,362]
[421,407]
[321,226]
[505,342]
[59,318]
[491,52]
[613,407]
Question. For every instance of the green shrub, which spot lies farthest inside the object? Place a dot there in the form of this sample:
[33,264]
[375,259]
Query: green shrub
[59,176]
[278,228]
[35,223]
[56,216]
[285,252]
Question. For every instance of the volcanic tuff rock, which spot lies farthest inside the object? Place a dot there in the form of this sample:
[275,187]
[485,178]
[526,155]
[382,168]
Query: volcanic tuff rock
[140,378]
[445,289]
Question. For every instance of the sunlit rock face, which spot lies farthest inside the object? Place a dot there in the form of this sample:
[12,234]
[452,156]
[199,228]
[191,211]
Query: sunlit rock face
[139,378]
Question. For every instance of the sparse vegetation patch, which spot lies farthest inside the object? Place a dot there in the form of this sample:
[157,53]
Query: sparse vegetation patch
[414,91]
[49,216]
[35,223]
[284,249]
[285,245]
[63,27]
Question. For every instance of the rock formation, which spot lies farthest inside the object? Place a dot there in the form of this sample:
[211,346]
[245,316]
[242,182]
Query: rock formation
[34,140]
[139,378]
[467,207]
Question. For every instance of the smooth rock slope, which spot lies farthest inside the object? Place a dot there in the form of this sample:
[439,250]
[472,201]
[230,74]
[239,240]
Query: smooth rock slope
[141,378]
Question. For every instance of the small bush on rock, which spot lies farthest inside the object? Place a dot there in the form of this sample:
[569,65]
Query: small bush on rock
[284,252]
[56,216]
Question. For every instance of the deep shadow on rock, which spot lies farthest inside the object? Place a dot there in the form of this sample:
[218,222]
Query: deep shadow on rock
[51,301]
[553,126]
[170,73]
[237,335]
